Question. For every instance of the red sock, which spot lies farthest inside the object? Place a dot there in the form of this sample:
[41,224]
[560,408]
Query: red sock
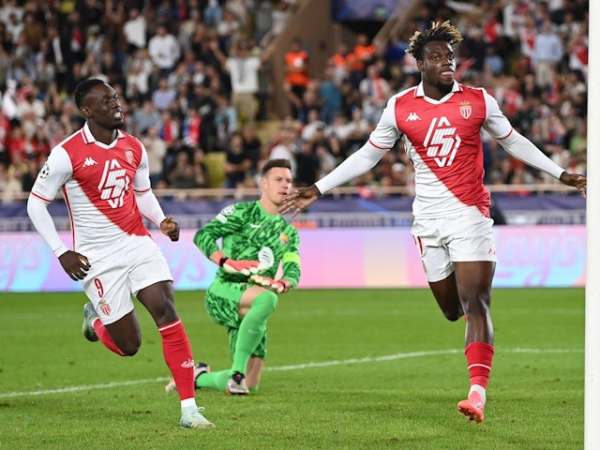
[178,356]
[105,337]
[479,362]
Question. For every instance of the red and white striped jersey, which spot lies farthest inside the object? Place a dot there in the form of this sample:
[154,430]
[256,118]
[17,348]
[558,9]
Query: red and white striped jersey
[443,140]
[98,183]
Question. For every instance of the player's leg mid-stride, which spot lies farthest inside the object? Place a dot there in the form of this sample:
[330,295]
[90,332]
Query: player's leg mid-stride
[467,289]
[123,338]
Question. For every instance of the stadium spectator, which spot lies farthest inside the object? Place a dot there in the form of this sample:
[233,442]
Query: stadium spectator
[135,30]
[296,79]
[164,50]
[243,69]
[156,149]
[548,51]
[237,162]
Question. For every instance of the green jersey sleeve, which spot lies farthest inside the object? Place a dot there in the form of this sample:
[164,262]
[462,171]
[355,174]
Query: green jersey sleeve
[228,221]
[291,258]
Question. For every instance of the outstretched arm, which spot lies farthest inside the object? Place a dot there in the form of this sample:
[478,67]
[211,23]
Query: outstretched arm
[523,149]
[382,139]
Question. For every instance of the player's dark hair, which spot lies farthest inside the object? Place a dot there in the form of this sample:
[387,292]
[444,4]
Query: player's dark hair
[439,31]
[285,163]
[83,88]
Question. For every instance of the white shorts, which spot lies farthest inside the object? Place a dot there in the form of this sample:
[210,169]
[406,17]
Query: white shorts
[464,237]
[112,281]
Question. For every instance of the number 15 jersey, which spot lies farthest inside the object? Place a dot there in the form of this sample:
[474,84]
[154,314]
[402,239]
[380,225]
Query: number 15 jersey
[443,140]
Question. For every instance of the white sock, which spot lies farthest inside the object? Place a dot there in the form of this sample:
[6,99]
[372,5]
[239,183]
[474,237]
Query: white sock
[480,390]
[188,403]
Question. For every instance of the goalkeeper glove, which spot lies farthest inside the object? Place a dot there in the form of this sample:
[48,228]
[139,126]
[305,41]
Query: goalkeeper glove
[279,286]
[242,266]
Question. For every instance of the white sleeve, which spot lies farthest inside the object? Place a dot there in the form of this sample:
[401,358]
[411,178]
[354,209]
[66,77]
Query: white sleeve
[361,161]
[37,209]
[149,207]
[141,180]
[386,134]
[56,171]
[523,149]
[496,122]
[145,198]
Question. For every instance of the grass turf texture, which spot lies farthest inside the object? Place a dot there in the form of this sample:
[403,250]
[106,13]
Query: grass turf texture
[535,399]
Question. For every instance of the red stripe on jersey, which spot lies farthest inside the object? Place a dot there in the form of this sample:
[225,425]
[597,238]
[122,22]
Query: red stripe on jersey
[66,196]
[41,197]
[106,175]
[380,148]
[448,141]
[141,191]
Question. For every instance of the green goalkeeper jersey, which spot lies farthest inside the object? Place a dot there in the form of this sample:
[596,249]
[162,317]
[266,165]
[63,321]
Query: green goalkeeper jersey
[249,232]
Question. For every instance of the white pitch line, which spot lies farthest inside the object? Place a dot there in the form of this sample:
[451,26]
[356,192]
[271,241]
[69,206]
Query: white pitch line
[287,368]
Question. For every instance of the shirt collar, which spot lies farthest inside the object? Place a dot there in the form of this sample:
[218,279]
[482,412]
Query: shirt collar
[89,138]
[456,87]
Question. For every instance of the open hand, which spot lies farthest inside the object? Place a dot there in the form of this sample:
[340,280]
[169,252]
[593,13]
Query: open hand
[577,181]
[170,228]
[75,264]
[243,266]
[279,286]
[299,200]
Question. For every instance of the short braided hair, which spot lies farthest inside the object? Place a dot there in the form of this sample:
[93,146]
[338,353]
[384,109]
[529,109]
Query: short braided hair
[439,31]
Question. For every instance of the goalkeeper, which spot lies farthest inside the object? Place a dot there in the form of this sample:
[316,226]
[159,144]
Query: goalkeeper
[244,294]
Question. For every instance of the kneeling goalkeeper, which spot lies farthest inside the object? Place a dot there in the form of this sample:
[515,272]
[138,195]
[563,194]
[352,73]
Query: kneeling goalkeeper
[244,294]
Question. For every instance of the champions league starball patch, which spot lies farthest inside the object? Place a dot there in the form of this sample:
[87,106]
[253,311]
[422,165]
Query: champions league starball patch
[45,171]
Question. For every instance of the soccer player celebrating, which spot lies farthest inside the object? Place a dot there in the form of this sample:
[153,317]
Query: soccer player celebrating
[440,121]
[255,240]
[103,173]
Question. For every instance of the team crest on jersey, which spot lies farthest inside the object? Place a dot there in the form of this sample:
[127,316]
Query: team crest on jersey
[104,307]
[129,156]
[284,238]
[465,109]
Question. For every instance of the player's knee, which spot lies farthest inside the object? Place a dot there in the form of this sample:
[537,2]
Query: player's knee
[131,347]
[268,300]
[165,312]
[478,305]
[453,316]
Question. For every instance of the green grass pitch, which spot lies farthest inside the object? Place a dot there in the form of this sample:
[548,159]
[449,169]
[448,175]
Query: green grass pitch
[388,373]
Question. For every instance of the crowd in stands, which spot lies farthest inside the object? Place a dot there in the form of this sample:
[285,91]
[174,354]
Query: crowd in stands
[190,77]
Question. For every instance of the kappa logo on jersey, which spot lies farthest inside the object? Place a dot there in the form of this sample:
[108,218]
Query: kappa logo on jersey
[114,183]
[465,109]
[441,141]
[413,117]
[89,161]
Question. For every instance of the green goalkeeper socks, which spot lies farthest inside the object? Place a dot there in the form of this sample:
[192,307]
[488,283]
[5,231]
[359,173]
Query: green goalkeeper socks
[252,329]
[214,380]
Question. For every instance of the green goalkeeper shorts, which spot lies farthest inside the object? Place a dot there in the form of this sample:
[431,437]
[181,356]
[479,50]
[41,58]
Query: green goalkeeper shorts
[222,302]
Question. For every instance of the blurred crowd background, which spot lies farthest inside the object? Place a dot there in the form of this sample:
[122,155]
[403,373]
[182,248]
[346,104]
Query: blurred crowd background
[191,76]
